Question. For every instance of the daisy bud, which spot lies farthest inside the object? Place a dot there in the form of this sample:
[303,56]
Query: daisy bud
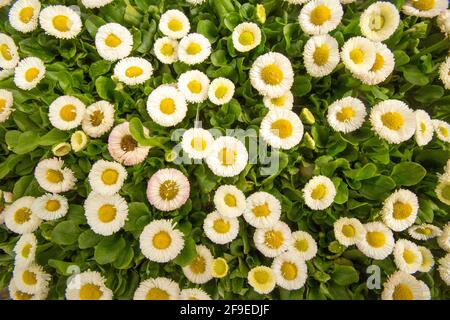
[78,140]
[309,141]
[307,117]
[261,13]
[61,149]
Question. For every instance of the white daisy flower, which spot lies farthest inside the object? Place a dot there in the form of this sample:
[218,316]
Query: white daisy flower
[403,286]
[105,214]
[157,289]
[358,54]
[220,229]
[349,231]
[160,241]
[320,16]
[66,112]
[263,210]
[443,21]
[6,73]
[427,259]
[199,270]
[166,106]
[98,118]
[228,157]
[113,41]
[424,232]
[393,121]
[424,128]
[193,84]
[274,240]
[194,48]
[4,3]
[7,198]
[90,4]
[261,279]
[24,14]
[407,256]
[246,36]
[424,8]
[321,55]
[31,279]
[304,245]
[346,115]
[443,239]
[16,294]
[107,177]
[123,148]
[166,50]
[319,193]
[9,55]
[168,189]
[19,218]
[444,73]
[230,201]
[221,91]
[285,101]
[400,210]
[88,285]
[381,69]
[6,103]
[197,142]
[290,271]
[442,130]
[271,74]
[443,189]
[50,206]
[194,294]
[52,177]
[60,21]
[174,24]
[219,268]
[28,73]
[379,241]
[444,269]
[133,70]
[281,128]
[379,21]
[25,249]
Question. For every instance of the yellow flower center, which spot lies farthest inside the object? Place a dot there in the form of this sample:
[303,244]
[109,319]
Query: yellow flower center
[26,14]
[261,276]
[424,231]
[168,190]
[167,49]
[162,240]
[346,114]
[221,226]
[408,256]
[96,118]
[443,131]
[195,86]
[272,74]
[157,294]
[52,205]
[246,38]
[392,120]
[279,102]
[230,200]
[4,50]
[19,295]
[167,106]
[26,250]
[321,55]
[319,192]
[68,112]
[90,291]
[402,292]
[198,144]
[198,265]
[193,48]
[402,210]
[54,176]
[128,143]
[320,15]
[273,239]
[302,245]
[348,230]
[22,215]
[175,25]
[61,23]
[133,71]
[112,40]
[219,267]
[107,213]
[282,128]
[445,192]
[423,127]
[377,22]
[29,278]
[378,64]
[31,74]
[110,176]
[289,270]
[261,210]
[357,56]
[376,239]
[423,4]
[227,156]
[221,91]
[2,104]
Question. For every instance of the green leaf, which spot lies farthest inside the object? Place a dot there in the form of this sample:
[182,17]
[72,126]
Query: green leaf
[65,233]
[88,239]
[429,94]
[377,188]
[108,250]
[187,254]
[414,76]
[301,86]
[52,137]
[344,275]
[208,29]
[408,173]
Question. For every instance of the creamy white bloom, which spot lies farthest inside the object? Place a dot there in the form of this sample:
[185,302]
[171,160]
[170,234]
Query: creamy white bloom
[98,118]
[133,70]
[28,73]
[444,73]
[400,210]
[228,157]
[107,177]
[290,270]
[78,140]
[24,14]
[25,249]
[442,130]
[424,8]
[113,41]
[443,189]
[230,201]
[393,121]
[274,240]
[444,268]
[319,193]
[403,286]
[194,294]
[379,21]
[166,106]
[160,241]
[285,101]
[9,55]
[197,142]
[220,229]
[31,279]
[346,115]
[281,128]
[174,24]
[219,268]
[349,231]
[66,112]
[50,206]
[6,103]
[427,259]
[443,21]
[382,67]
[407,256]
[194,85]
[90,4]
[246,36]
[321,55]
[221,91]
[52,177]
[199,270]
[4,3]
[194,49]
[320,16]
[157,289]
[261,279]
[166,50]
[60,21]
[304,245]
[444,238]
[16,294]
[358,54]
[271,74]
[424,231]
[88,285]
[424,128]
[378,242]
[263,210]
